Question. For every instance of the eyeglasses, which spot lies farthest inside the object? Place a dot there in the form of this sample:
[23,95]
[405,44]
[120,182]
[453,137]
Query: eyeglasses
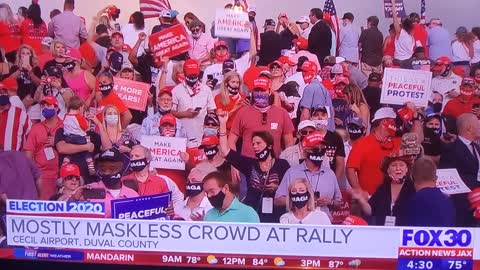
[264,118]
[195,30]
[209,124]
[305,132]
[72,178]
[275,67]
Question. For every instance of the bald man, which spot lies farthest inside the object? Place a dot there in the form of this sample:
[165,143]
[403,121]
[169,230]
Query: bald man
[464,155]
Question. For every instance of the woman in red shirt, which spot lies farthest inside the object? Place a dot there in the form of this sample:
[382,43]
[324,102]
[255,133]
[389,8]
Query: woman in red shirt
[10,37]
[230,99]
[34,29]
[389,43]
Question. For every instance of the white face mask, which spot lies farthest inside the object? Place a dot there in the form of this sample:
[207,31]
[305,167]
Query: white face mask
[319,124]
[111,119]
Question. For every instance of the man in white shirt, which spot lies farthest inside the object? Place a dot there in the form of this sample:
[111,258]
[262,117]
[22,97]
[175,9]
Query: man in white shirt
[444,81]
[349,40]
[192,101]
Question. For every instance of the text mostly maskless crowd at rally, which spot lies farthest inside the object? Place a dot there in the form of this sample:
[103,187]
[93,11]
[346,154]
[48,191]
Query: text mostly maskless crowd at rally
[124,138]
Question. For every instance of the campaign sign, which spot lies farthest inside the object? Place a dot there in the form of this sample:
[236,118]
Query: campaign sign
[133,94]
[339,215]
[450,182]
[402,85]
[231,23]
[387,6]
[165,151]
[55,208]
[145,207]
[169,42]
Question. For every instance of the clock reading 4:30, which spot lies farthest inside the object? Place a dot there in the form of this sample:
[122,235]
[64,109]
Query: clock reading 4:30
[434,264]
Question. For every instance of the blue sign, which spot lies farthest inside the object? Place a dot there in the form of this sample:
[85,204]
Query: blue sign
[45,254]
[57,208]
[146,207]
[437,238]
[434,264]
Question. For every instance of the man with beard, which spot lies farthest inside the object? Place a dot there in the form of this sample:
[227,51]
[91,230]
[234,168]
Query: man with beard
[165,104]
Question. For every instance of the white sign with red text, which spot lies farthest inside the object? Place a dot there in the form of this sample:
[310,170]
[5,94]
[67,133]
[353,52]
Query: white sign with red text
[402,85]
[165,151]
[133,94]
[450,182]
[231,23]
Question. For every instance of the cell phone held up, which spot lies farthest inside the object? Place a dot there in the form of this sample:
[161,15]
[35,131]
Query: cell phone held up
[94,193]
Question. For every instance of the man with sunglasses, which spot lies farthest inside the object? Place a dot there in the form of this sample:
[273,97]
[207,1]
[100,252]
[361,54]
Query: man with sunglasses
[466,102]
[321,178]
[444,81]
[200,44]
[294,154]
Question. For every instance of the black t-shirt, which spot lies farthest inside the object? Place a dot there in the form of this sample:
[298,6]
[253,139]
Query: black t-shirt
[372,96]
[335,148]
[25,82]
[270,48]
[79,158]
[256,179]
[54,63]
[287,38]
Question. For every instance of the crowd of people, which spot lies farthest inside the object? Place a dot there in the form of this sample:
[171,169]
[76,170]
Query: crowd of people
[284,127]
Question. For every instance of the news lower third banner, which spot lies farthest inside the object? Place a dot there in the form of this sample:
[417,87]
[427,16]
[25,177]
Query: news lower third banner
[261,239]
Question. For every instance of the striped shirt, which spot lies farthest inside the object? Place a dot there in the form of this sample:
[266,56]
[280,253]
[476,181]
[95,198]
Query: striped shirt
[14,126]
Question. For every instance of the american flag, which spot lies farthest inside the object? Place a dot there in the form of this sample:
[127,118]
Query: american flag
[242,3]
[330,15]
[423,11]
[152,8]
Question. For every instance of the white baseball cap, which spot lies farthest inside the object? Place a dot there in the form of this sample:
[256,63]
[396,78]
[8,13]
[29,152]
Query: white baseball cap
[47,41]
[339,59]
[252,8]
[303,19]
[385,112]
[306,123]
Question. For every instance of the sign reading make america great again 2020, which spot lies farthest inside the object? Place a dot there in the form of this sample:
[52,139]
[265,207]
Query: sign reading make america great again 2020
[171,236]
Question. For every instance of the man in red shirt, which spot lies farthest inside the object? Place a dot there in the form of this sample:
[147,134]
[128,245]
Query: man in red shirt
[261,116]
[40,149]
[14,122]
[466,102]
[367,154]
[149,183]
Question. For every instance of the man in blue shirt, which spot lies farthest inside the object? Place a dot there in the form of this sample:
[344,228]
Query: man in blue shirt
[439,40]
[226,207]
[429,207]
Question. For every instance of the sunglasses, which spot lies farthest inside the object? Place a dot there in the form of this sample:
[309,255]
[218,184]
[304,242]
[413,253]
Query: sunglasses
[72,178]
[275,67]
[195,30]
[305,132]
[264,118]
[210,124]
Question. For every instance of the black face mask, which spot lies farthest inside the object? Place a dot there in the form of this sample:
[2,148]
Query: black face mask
[437,107]
[264,154]
[300,200]
[191,80]
[163,112]
[355,131]
[138,165]
[194,189]
[217,200]
[231,90]
[316,156]
[432,132]
[70,66]
[110,179]
[210,152]
[106,89]
[4,100]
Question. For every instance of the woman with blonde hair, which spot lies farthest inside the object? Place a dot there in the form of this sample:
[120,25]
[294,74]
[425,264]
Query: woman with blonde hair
[230,98]
[358,104]
[10,36]
[301,205]
[462,49]
[58,51]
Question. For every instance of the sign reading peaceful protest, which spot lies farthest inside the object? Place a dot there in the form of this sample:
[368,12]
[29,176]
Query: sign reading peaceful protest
[450,182]
[165,151]
[402,85]
[231,23]
[387,6]
[169,42]
[133,94]
[145,207]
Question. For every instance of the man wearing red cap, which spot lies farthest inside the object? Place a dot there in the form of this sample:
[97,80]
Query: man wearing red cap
[315,93]
[444,81]
[192,101]
[261,116]
[321,178]
[40,149]
[466,102]
[301,49]
[14,122]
